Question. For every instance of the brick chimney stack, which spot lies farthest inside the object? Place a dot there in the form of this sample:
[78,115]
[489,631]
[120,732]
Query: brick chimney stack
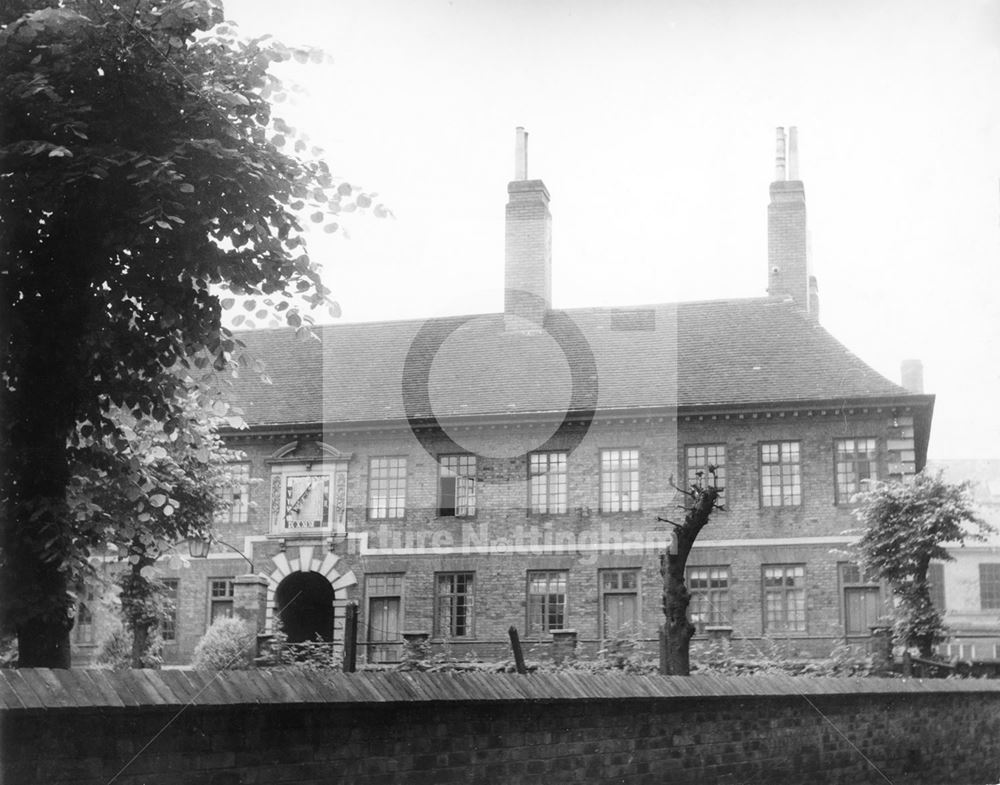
[528,276]
[788,269]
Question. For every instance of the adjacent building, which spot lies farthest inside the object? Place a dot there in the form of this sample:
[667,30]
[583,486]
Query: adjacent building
[458,476]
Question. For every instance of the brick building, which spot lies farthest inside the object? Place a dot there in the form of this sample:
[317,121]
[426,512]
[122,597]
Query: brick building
[460,475]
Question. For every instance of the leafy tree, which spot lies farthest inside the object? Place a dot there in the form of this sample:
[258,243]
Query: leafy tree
[702,499]
[142,172]
[906,526]
[185,476]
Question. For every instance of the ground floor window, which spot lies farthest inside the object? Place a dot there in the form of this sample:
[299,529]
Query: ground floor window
[385,605]
[546,600]
[862,600]
[453,604]
[619,602]
[784,597]
[709,588]
[168,624]
[220,599]
[84,629]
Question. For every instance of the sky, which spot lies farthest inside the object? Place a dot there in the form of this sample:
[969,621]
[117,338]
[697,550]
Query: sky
[652,125]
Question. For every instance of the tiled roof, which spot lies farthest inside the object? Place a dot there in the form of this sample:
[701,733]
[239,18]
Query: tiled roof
[717,353]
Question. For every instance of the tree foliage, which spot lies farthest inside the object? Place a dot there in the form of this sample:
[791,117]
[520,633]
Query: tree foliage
[906,526]
[142,172]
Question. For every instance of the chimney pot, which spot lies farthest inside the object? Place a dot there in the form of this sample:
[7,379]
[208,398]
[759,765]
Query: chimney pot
[520,154]
[793,153]
[912,375]
[779,155]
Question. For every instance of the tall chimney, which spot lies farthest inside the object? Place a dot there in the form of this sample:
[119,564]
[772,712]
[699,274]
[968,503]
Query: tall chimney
[528,275]
[912,375]
[788,269]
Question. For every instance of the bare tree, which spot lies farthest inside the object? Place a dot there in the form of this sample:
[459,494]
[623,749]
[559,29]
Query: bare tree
[702,499]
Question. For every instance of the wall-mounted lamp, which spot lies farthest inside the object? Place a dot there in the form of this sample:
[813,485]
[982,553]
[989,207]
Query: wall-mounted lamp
[199,548]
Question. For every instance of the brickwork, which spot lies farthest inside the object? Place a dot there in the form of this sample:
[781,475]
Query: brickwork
[503,541]
[172,727]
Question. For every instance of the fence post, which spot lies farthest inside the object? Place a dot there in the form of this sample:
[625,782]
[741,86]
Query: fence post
[663,648]
[515,644]
[350,638]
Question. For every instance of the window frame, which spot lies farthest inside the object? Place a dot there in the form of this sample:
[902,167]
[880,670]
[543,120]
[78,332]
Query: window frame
[989,586]
[843,497]
[545,628]
[399,475]
[561,475]
[226,599]
[85,623]
[608,475]
[724,610]
[794,482]
[635,591]
[394,591]
[238,512]
[453,595]
[691,469]
[171,616]
[785,591]
[471,489]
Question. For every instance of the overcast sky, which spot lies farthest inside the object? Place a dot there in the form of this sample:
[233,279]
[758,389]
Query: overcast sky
[652,125]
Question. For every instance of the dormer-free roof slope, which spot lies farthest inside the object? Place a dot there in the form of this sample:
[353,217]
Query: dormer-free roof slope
[725,353]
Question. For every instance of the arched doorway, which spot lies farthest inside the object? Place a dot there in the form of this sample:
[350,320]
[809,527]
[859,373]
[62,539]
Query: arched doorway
[304,601]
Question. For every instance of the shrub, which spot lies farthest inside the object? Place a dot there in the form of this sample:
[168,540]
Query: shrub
[226,646]
[115,650]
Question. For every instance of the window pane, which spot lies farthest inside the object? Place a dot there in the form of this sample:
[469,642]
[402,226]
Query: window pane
[457,485]
[619,480]
[454,604]
[989,586]
[784,598]
[780,474]
[547,483]
[386,488]
[237,494]
[699,457]
[546,601]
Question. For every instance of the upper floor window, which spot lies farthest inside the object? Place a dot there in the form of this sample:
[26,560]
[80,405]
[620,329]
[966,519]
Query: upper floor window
[168,624]
[547,483]
[546,600]
[457,485]
[698,457]
[784,598]
[386,488]
[780,474]
[237,495]
[709,587]
[619,480]
[453,594]
[989,586]
[855,463]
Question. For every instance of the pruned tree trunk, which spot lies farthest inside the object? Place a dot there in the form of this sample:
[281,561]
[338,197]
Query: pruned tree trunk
[676,596]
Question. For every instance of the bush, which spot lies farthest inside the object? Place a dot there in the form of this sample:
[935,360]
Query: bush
[312,655]
[115,650]
[226,646]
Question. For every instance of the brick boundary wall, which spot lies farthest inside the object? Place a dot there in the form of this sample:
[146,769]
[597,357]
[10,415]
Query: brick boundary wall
[159,727]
